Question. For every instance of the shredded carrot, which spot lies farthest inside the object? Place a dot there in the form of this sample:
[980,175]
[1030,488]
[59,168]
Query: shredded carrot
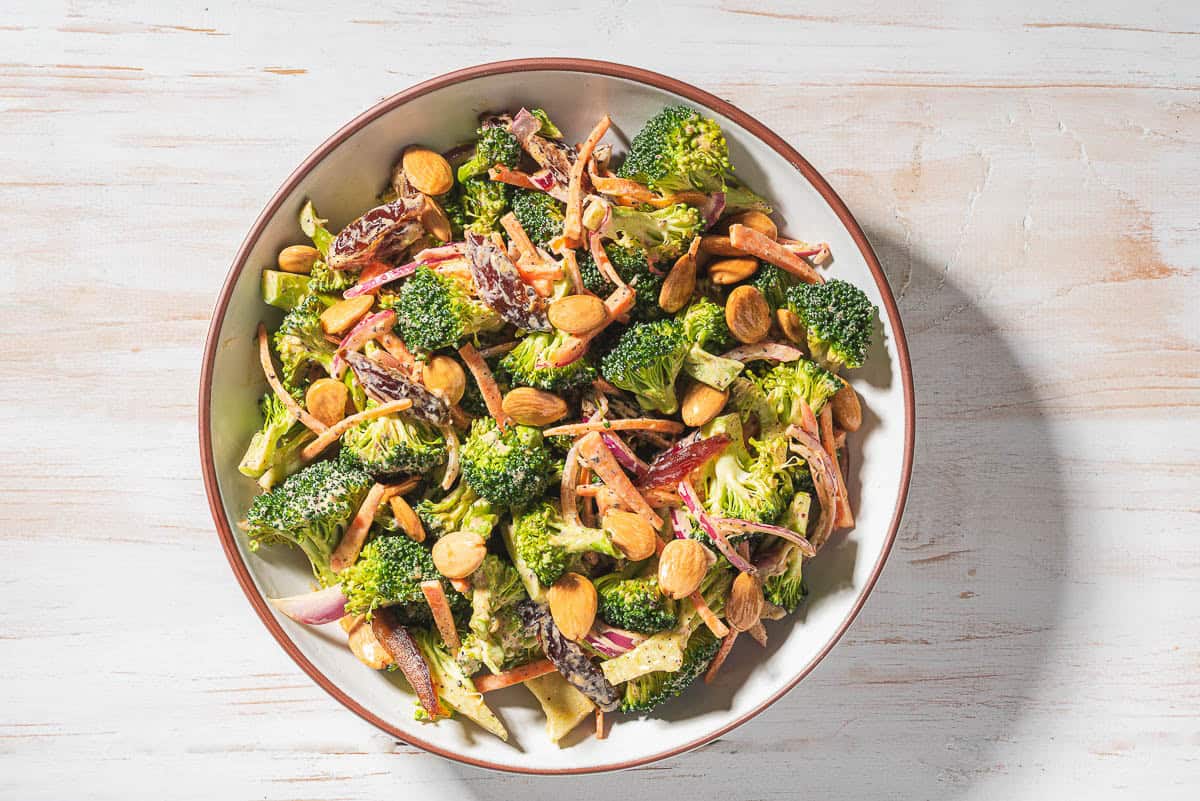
[759,244]
[524,245]
[264,357]
[517,178]
[625,188]
[373,270]
[595,454]
[631,424]
[588,490]
[392,490]
[573,224]
[845,517]
[713,622]
[571,267]
[487,383]
[759,632]
[818,253]
[607,499]
[443,618]
[498,681]
[330,435]
[601,732]
[356,534]
[719,659]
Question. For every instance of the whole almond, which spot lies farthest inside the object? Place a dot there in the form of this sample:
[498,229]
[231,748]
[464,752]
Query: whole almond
[681,567]
[577,314]
[458,554]
[573,605]
[407,519]
[427,171]
[756,220]
[719,245]
[363,643]
[748,315]
[534,407]
[847,411]
[341,316]
[446,377]
[791,326]
[730,271]
[298,259]
[702,403]
[326,400]
[435,221]
[631,533]
[745,605]
[679,284]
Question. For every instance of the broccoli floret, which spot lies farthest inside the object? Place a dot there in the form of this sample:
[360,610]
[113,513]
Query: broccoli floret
[310,510]
[664,234]
[787,588]
[437,311]
[548,129]
[773,283]
[705,327]
[495,146]
[461,510]
[394,444]
[287,459]
[539,214]
[528,364]
[789,384]
[454,687]
[314,228]
[325,280]
[737,484]
[278,420]
[549,547]
[677,150]
[509,467]
[300,342]
[634,604]
[484,203]
[646,361]
[646,692]
[630,262]
[838,316]
[389,572]
[497,638]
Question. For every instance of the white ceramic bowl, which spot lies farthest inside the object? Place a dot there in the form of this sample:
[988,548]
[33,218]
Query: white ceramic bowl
[343,178]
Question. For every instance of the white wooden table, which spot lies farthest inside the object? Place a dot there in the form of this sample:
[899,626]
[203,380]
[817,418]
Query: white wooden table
[1031,182]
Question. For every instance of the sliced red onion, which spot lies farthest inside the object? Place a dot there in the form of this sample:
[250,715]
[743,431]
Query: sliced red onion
[313,608]
[770,351]
[824,480]
[430,256]
[680,524]
[783,532]
[611,641]
[543,180]
[690,499]
[371,284]
[365,330]
[624,454]
[712,209]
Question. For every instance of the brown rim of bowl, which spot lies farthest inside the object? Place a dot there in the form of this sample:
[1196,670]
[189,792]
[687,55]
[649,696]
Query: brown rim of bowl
[542,65]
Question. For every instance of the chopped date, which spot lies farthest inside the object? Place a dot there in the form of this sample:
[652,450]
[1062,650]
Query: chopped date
[386,384]
[499,285]
[357,243]
[570,660]
[678,461]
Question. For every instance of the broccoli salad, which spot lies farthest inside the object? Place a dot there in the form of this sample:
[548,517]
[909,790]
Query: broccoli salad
[553,417]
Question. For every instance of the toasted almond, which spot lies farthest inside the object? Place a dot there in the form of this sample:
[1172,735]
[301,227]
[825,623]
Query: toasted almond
[679,284]
[326,400]
[435,221]
[756,220]
[719,245]
[790,325]
[745,605]
[578,314]
[407,519]
[847,411]
[730,271]
[363,643]
[702,403]
[534,407]
[748,315]
[573,605]
[298,259]
[427,171]
[681,567]
[341,316]
[446,377]
[632,533]
[458,554]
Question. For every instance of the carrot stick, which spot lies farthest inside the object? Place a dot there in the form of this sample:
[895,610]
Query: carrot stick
[392,490]
[601,732]
[571,266]
[516,233]
[573,224]
[330,435]
[719,659]
[487,383]
[629,424]
[352,541]
[595,454]
[498,681]
[845,517]
[264,357]
[443,618]
[713,622]
[759,244]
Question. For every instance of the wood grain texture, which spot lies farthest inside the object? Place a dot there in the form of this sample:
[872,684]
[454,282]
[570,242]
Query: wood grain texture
[1029,178]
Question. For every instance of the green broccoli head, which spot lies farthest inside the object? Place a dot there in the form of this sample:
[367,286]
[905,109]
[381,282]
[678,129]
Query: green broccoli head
[652,689]
[540,215]
[395,444]
[548,129]
[494,146]
[549,547]
[452,204]
[460,510]
[773,283]
[509,467]
[529,365]
[484,202]
[629,260]
[389,572]
[326,280]
[437,311]
[277,421]
[738,484]
[634,604]
[664,234]
[497,638]
[300,342]
[704,325]
[678,150]
[646,361]
[310,510]
[787,589]
[786,386]
[838,317]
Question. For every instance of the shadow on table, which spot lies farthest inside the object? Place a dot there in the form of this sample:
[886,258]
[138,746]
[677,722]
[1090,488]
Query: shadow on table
[935,674]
